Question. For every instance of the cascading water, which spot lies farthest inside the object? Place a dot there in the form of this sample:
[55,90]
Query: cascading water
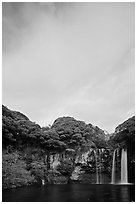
[124,172]
[97,177]
[43,182]
[113,167]
[100,161]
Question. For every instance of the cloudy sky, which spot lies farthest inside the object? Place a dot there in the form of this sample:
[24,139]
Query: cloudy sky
[69,59]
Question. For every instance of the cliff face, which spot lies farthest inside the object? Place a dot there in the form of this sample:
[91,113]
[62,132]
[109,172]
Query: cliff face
[124,137]
[68,151]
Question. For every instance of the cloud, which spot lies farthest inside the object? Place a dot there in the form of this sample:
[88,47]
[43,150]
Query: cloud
[69,59]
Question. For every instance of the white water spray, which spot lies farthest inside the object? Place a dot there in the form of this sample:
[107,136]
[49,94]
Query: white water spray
[124,171]
[97,177]
[113,167]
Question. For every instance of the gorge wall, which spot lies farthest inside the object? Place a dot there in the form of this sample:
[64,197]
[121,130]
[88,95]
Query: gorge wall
[68,151]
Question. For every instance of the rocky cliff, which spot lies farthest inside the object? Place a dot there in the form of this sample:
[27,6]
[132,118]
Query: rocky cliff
[68,151]
[124,137]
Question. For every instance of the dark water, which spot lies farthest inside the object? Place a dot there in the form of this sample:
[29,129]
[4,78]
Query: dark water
[71,192]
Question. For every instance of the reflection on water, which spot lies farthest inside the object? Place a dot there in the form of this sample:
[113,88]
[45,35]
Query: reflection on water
[125,193]
[71,192]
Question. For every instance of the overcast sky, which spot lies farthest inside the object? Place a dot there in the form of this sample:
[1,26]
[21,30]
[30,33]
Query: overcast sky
[70,59]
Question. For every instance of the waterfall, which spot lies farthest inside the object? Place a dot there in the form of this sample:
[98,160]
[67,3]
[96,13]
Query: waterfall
[100,160]
[113,167]
[97,177]
[124,172]
[43,182]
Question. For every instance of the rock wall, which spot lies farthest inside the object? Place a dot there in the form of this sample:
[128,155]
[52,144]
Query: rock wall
[81,166]
[68,151]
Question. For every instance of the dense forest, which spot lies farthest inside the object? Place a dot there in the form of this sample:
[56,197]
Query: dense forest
[61,153]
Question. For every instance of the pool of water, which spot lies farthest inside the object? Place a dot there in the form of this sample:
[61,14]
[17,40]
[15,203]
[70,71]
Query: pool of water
[71,193]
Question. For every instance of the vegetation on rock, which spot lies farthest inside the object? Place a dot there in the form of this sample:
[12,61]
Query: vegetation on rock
[14,172]
[124,137]
[32,154]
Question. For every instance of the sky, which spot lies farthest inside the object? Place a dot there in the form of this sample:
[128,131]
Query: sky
[69,59]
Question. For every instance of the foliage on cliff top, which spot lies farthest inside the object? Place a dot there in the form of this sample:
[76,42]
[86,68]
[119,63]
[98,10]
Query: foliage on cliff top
[124,134]
[18,132]
[66,132]
[77,133]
